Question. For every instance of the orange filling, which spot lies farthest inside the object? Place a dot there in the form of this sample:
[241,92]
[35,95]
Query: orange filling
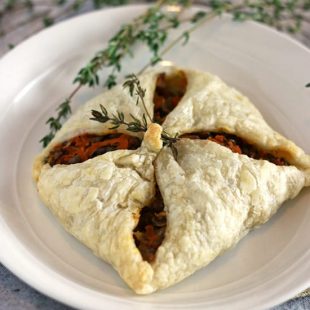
[169,91]
[83,147]
[237,145]
[150,230]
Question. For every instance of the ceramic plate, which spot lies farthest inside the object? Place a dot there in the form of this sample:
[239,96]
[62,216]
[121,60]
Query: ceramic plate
[267,267]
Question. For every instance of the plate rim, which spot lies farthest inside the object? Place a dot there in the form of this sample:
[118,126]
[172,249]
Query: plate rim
[5,259]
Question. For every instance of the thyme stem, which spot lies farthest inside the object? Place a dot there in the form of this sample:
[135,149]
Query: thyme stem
[146,111]
[134,86]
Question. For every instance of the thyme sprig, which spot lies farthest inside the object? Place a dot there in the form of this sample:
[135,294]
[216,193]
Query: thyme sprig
[118,120]
[286,15]
[135,125]
[152,29]
[135,89]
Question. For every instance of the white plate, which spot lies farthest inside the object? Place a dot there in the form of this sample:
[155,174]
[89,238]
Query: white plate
[269,266]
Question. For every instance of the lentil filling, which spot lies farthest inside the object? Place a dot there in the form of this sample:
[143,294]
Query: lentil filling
[150,230]
[237,145]
[86,146]
[168,92]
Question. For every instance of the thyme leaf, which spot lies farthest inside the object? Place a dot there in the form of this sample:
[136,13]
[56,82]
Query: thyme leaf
[199,15]
[55,123]
[167,139]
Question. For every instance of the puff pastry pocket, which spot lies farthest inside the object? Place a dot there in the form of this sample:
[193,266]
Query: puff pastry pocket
[213,197]
[210,105]
[101,187]
[156,215]
[99,201]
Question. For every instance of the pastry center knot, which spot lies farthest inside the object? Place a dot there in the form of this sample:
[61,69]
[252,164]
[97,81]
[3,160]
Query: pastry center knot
[152,138]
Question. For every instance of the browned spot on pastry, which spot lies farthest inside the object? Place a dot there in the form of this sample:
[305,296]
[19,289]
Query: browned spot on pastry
[238,145]
[83,147]
[169,91]
[150,230]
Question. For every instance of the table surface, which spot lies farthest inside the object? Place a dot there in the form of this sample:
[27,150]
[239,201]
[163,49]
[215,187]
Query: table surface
[17,24]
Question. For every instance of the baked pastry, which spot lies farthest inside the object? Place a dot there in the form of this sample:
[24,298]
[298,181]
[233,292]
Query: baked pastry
[156,213]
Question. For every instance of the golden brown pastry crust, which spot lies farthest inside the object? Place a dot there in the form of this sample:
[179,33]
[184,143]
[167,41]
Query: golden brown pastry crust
[212,196]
